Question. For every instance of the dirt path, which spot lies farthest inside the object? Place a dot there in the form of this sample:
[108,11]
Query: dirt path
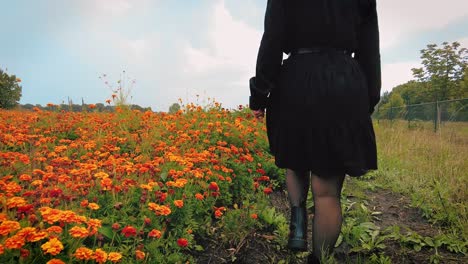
[395,210]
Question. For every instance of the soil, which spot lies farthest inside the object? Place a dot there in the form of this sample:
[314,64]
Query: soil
[258,247]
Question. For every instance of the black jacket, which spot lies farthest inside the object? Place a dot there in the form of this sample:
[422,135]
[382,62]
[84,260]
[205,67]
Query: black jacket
[291,24]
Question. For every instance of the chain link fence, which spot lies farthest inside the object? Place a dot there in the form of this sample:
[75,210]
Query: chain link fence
[436,113]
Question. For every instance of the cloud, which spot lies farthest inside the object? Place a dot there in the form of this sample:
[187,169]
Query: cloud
[394,74]
[232,45]
[399,18]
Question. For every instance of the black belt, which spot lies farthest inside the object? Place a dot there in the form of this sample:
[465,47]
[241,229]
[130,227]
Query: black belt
[320,50]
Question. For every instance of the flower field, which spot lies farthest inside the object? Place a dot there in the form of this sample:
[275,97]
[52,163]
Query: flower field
[129,186]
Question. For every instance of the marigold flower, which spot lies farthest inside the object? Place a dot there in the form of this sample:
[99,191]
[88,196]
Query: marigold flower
[219,211]
[101,175]
[53,247]
[24,253]
[179,203]
[106,184]
[199,196]
[129,231]
[267,190]
[25,177]
[155,233]
[93,206]
[100,256]
[114,257]
[2,249]
[115,226]
[78,232]
[7,227]
[54,229]
[182,242]
[37,236]
[254,216]
[84,253]
[84,203]
[15,242]
[214,186]
[140,255]
[55,261]
[160,209]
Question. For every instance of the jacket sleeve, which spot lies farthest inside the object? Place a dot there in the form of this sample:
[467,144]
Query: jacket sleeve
[270,56]
[368,52]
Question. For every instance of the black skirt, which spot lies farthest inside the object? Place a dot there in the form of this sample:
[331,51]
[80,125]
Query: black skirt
[318,116]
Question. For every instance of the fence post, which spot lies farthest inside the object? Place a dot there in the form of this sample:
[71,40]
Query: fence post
[436,117]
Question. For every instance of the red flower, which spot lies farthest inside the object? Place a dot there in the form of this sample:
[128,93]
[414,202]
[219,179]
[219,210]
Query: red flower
[214,186]
[182,242]
[115,226]
[129,231]
[267,190]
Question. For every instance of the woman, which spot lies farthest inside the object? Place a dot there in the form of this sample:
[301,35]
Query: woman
[318,104]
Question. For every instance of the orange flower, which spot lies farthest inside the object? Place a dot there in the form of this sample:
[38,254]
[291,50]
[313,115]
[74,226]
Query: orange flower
[54,229]
[106,184]
[2,249]
[55,261]
[78,232]
[199,196]
[159,209]
[140,255]
[25,177]
[100,256]
[15,242]
[179,203]
[254,216]
[37,236]
[155,233]
[84,253]
[84,203]
[53,247]
[7,227]
[182,242]
[114,257]
[219,211]
[93,206]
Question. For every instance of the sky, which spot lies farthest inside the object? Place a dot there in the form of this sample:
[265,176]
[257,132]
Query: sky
[181,48]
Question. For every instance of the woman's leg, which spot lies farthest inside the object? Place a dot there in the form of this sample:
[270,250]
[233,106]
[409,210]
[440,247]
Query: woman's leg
[327,218]
[298,187]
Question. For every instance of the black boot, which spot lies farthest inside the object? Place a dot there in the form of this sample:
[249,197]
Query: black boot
[298,229]
[312,259]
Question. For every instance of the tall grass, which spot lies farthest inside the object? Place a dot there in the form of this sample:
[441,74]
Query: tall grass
[432,168]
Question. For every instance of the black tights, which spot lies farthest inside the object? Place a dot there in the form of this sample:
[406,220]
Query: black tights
[326,192]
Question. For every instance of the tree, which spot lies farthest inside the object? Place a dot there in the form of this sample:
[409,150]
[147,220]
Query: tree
[174,108]
[442,70]
[464,84]
[10,90]
[393,108]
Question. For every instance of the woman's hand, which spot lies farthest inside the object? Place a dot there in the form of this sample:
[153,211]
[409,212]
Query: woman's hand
[259,114]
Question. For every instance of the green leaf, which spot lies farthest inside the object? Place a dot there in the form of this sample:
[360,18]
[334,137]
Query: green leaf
[107,231]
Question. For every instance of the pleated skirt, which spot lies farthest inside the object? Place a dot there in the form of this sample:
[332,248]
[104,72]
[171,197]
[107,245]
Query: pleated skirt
[318,117]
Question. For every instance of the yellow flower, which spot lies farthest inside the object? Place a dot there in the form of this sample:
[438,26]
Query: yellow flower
[84,253]
[78,232]
[53,247]
[93,206]
[179,203]
[100,256]
[55,261]
[114,257]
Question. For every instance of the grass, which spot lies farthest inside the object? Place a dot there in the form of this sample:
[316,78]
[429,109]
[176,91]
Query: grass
[429,167]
